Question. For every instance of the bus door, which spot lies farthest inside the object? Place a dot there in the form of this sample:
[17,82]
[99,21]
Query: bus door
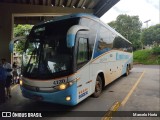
[82,65]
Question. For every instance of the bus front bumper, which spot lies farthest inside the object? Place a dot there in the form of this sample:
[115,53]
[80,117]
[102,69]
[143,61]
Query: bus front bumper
[53,97]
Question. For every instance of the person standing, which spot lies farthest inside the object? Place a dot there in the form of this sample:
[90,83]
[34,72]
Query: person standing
[15,74]
[8,68]
[3,77]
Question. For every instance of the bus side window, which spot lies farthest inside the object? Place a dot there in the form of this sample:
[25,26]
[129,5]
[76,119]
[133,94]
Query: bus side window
[82,52]
[94,27]
[122,45]
[105,39]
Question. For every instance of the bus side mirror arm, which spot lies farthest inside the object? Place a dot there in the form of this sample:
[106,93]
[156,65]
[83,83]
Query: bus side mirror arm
[11,44]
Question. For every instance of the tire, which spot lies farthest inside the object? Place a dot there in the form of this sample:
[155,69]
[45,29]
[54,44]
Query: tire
[98,87]
[127,71]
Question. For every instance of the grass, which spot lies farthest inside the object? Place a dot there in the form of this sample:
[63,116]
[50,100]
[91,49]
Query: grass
[146,57]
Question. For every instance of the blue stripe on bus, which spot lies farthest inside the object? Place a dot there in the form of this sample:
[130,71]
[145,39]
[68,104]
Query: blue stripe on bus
[100,52]
[55,97]
[121,56]
[70,40]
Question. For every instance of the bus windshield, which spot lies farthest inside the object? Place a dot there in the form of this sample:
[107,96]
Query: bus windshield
[46,54]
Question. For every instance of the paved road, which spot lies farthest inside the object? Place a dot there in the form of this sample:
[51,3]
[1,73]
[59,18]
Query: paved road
[140,91]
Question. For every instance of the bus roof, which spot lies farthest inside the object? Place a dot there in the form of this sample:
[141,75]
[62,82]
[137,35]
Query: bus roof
[67,17]
[90,16]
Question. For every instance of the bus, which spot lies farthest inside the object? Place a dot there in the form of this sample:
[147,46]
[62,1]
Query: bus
[71,57]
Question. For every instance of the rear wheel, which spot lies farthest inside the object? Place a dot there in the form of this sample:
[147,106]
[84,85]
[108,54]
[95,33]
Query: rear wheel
[127,71]
[98,87]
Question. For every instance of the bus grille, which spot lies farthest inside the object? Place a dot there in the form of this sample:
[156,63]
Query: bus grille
[39,89]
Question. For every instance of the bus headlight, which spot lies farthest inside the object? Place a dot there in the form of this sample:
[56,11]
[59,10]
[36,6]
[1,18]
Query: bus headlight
[68,98]
[62,86]
[21,82]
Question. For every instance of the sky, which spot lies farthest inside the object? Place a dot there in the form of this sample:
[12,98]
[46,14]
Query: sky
[145,9]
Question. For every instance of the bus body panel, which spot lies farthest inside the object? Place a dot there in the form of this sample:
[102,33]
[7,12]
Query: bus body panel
[46,90]
[113,64]
[44,84]
[110,61]
[83,84]
[53,97]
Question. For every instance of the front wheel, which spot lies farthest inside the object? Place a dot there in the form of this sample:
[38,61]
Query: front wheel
[98,87]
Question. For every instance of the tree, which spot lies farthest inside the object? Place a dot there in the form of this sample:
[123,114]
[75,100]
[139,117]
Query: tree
[151,35]
[21,30]
[129,27]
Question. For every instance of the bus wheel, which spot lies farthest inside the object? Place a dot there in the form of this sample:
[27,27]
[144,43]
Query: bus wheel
[98,87]
[127,71]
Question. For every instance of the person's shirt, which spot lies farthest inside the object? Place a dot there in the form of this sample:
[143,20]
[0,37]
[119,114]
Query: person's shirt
[3,74]
[8,68]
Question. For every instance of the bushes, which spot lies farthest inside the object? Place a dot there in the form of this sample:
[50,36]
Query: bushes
[156,50]
[141,56]
[148,57]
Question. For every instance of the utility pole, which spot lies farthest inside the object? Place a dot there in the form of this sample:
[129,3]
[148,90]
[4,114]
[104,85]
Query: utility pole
[159,11]
[147,22]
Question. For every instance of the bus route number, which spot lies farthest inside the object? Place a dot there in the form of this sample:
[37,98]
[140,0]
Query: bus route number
[57,82]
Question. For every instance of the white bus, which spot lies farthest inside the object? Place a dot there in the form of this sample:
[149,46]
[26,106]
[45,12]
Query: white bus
[69,58]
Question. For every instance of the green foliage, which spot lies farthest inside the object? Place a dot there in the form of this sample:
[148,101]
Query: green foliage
[156,50]
[112,24]
[129,27]
[146,57]
[19,47]
[21,30]
[141,55]
[151,35]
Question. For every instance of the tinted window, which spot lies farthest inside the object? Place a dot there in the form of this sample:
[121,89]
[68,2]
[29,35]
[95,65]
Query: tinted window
[89,23]
[46,54]
[122,45]
[82,53]
[105,38]
[94,26]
